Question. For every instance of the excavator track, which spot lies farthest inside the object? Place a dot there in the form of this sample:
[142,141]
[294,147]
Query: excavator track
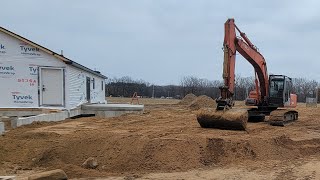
[282,117]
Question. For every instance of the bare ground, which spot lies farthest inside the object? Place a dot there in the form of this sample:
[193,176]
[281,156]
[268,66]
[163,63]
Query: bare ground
[165,142]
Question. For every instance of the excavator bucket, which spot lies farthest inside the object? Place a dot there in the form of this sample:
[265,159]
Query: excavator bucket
[233,119]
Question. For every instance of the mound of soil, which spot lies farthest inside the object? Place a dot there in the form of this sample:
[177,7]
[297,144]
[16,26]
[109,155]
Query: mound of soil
[187,99]
[202,101]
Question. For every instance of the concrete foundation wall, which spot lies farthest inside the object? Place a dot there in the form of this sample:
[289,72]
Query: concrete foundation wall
[75,112]
[100,110]
[19,113]
[106,114]
[1,128]
[111,110]
[59,116]
[41,117]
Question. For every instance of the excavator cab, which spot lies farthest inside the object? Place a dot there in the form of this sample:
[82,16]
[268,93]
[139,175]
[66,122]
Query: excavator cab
[280,91]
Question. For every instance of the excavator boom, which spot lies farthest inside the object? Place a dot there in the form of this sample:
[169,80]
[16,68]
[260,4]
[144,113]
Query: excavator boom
[231,45]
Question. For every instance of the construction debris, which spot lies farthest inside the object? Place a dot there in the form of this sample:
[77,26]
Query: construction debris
[90,163]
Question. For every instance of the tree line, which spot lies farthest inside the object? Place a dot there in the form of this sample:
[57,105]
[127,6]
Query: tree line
[126,87]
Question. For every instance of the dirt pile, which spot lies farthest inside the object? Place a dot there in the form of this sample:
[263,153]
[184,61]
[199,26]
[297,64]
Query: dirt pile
[187,99]
[202,101]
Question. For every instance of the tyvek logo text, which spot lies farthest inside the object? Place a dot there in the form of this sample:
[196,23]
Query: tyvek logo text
[33,70]
[9,70]
[22,99]
[28,50]
[2,49]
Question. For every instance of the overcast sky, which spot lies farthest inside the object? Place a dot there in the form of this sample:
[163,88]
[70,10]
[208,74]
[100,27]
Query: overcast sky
[161,41]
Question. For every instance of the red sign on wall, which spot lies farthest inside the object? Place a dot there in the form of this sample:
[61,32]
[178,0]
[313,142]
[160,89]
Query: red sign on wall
[31,82]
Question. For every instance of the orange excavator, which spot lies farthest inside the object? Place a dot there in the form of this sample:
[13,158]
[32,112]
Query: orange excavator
[272,96]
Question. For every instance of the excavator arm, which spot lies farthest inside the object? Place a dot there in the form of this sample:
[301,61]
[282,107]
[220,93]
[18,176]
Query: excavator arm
[243,45]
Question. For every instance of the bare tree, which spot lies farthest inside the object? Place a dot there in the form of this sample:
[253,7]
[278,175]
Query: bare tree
[304,88]
[126,86]
[242,86]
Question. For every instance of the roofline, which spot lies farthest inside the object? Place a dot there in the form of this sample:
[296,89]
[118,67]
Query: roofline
[77,65]
[61,57]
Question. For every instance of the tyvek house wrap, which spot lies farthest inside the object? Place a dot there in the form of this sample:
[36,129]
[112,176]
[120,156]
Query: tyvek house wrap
[19,76]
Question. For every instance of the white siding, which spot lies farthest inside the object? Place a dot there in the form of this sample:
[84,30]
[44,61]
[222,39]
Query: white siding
[77,87]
